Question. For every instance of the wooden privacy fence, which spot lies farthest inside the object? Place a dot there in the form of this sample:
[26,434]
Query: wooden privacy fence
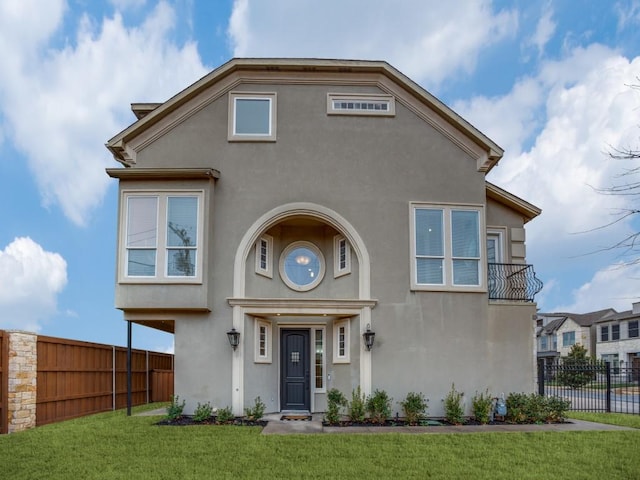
[81,378]
[45,379]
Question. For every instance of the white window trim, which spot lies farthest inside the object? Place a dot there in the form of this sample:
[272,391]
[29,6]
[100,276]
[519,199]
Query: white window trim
[448,285]
[161,275]
[323,389]
[232,136]
[268,271]
[361,98]
[337,271]
[269,341]
[285,277]
[501,233]
[346,358]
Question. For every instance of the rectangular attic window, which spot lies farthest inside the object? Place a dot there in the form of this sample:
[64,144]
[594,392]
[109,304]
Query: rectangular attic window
[360,104]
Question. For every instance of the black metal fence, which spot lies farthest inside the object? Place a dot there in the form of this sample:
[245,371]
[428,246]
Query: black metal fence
[593,387]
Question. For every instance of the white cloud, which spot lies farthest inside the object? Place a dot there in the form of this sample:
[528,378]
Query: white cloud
[545,29]
[614,287]
[427,41]
[557,127]
[61,105]
[628,13]
[127,4]
[32,279]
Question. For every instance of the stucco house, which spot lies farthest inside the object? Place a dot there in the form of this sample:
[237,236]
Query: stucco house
[556,333]
[333,219]
[618,338]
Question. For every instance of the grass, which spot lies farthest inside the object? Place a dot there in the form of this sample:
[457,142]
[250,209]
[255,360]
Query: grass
[621,419]
[111,445]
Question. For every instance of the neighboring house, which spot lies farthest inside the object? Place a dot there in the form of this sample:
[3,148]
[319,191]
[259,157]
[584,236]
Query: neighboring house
[556,333]
[619,338]
[300,206]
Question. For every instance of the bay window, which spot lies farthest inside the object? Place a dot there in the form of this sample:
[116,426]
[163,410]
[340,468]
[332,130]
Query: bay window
[447,248]
[162,236]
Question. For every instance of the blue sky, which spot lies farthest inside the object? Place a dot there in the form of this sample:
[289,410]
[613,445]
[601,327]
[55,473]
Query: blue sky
[548,81]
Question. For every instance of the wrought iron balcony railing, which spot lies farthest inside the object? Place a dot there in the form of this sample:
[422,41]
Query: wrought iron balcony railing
[511,281]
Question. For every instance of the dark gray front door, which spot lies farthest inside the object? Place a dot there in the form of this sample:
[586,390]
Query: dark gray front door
[294,363]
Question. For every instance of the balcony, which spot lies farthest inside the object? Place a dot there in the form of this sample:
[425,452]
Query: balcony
[510,281]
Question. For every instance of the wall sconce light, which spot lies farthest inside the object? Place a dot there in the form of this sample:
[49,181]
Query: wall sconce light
[369,337]
[234,338]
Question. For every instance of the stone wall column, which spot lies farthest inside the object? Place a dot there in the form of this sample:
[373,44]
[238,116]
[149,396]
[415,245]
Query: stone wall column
[22,374]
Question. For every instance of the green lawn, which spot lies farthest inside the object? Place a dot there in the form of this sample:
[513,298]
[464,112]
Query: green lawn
[111,445]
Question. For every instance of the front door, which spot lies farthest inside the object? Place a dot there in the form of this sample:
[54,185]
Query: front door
[295,372]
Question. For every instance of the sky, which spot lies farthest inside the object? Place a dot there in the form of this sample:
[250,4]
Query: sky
[549,81]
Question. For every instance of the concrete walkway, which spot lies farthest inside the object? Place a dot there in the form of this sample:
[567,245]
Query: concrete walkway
[276,426]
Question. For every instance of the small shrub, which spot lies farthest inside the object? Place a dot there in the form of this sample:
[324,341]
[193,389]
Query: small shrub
[414,407]
[357,410]
[202,412]
[224,415]
[454,410]
[257,411]
[534,408]
[175,408]
[335,400]
[379,406]
[481,404]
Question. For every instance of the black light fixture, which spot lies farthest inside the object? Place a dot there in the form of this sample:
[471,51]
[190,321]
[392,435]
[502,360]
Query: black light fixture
[234,338]
[368,336]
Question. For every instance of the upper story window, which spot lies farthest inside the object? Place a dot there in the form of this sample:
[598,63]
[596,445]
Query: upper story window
[604,333]
[615,332]
[341,256]
[341,341]
[568,339]
[264,254]
[252,117]
[633,329]
[302,266]
[446,248]
[161,236]
[361,104]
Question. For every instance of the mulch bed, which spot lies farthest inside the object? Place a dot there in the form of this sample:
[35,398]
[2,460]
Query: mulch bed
[186,420]
[430,422]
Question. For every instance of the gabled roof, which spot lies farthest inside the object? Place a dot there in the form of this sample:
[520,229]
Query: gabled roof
[626,315]
[553,325]
[526,209]
[583,319]
[150,114]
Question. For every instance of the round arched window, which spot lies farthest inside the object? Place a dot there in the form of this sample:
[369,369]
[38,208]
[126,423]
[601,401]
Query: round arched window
[302,266]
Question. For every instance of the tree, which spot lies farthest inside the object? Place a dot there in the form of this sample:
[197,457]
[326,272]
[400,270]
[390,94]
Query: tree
[577,368]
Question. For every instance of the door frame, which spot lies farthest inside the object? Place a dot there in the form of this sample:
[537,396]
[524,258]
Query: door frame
[281,351]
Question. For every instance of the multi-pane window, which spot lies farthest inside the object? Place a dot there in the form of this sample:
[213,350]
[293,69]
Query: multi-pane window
[319,358]
[264,255]
[363,104]
[252,116]
[568,339]
[543,343]
[615,332]
[341,341]
[446,247]
[162,235]
[633,329]
[604,333]
[342,256]
[614,362]
[262,341]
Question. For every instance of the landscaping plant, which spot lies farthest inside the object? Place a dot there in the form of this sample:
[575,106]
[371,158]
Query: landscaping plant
[257,411]
[335,400]
[379,406]
[414,407]
[357,410]
[175,408]
[224,415]
[202,412]
[577,368]
[453,407]
[534,408]
[481,404]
